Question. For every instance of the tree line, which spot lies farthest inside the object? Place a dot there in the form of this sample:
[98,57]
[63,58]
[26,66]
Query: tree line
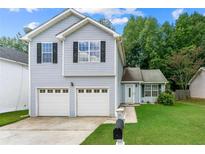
[178,50]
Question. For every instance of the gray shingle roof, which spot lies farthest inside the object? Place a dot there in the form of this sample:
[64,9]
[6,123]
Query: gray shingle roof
[135,74]
[154,75]
[132,74]
[13,54]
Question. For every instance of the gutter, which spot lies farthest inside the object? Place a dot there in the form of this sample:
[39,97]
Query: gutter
[13,61]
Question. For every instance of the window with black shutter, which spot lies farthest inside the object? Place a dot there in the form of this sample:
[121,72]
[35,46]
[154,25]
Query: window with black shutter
[55,53]
[75,52]
[103,51]
[38,53]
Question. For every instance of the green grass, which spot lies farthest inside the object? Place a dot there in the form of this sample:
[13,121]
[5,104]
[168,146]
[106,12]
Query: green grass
[183,123]
[11,117]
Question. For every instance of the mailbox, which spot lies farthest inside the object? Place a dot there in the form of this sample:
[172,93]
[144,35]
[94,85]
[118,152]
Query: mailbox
[117,134]
[118,131]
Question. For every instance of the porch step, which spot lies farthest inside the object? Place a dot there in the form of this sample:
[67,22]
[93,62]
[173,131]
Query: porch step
[129,104]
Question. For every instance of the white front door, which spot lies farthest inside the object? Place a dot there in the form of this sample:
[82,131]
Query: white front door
[129,94]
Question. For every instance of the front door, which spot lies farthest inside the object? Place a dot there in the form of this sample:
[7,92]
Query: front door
[129,98]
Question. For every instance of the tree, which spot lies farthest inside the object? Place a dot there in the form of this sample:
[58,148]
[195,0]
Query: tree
[14,43]
[189,30]
[183,64]
[167,47]
[107,23]
[141,39]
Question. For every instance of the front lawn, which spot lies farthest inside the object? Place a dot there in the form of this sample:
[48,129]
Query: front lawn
[11,117]
[183,123]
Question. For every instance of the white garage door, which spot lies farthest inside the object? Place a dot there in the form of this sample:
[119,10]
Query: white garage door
[53,102]
[93,102]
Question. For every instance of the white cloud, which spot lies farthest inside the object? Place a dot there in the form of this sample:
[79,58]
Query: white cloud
[109,12]
[30,10]
[119,21]
[176,13]
[32,25]
[14,9]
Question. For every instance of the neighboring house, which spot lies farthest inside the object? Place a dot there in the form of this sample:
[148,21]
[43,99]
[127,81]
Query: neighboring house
[76,67]
[142,86]
[13,80]
[197,84]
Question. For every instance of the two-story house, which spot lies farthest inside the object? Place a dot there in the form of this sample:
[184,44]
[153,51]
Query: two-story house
[76,68]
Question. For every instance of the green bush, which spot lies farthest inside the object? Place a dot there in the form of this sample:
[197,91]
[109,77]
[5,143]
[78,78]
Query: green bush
[166,99]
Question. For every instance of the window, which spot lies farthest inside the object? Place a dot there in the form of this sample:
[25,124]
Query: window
[88,90]
[47,52]
[151,90]
[42,91]
[50,91]
[96,90]
[154,90]
[81,90]
[147,90]
[104,90]
[57,91]
[129,92]
[83,52]
[65,90]
[89,51]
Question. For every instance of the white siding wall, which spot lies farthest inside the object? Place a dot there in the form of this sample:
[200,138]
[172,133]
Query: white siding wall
[14,86]
[197,87]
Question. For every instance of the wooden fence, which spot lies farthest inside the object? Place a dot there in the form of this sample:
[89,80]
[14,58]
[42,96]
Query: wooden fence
[182,94]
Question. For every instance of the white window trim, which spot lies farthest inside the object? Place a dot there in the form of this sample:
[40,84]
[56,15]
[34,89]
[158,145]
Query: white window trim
[152,90]
[155,90]
[46,52]
[89,41]
[148,90]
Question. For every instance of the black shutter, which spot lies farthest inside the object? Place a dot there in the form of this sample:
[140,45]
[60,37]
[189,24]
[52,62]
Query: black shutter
[55,53]
[142,90]
[103,51]
[75,52]
[38,53]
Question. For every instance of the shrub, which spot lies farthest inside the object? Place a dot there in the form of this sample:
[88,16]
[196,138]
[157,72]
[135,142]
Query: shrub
[166,99]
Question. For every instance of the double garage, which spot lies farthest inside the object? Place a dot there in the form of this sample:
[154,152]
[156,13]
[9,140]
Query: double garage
[88,102]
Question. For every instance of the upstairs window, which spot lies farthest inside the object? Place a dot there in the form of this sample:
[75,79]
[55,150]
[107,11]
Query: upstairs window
[89,51]
[47,52]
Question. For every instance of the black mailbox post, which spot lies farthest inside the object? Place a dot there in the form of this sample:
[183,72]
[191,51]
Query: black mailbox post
[118,130]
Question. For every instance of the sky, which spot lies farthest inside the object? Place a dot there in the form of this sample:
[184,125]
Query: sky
[14,20]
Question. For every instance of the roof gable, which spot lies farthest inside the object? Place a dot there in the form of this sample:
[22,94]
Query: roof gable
[73,28]
[50,23]
[196,74]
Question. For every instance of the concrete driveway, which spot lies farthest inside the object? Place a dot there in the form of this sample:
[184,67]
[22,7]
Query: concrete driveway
[49,130]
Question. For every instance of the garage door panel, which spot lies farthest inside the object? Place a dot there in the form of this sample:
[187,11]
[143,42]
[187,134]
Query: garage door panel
[53,104]
[93,104]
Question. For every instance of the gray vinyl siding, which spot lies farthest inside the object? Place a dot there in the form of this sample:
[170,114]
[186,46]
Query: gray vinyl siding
[88,32]
[50,75]
[119,79]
